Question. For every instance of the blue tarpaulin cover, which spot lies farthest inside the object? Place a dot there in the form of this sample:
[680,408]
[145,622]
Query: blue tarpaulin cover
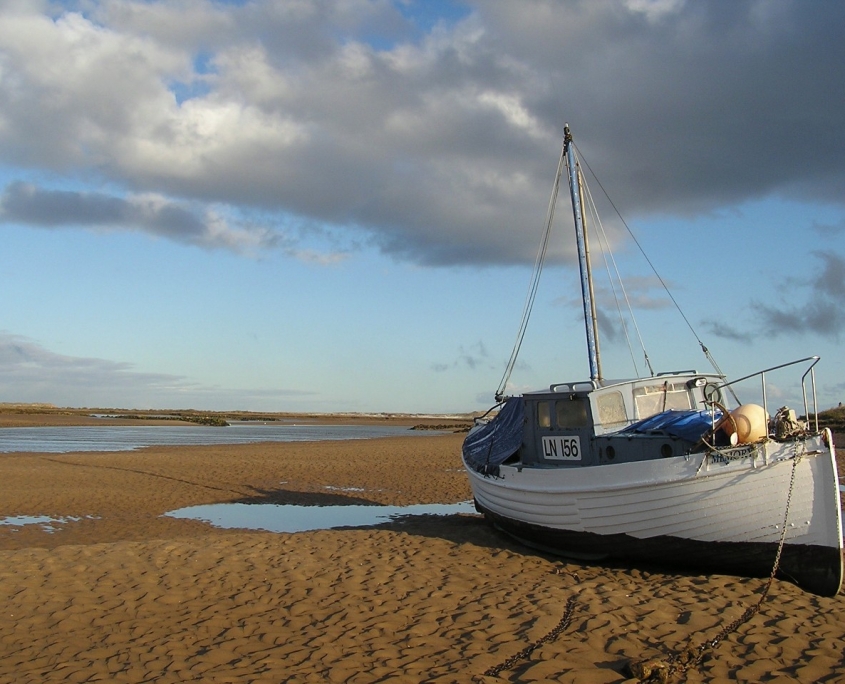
[689,425]
[490,445]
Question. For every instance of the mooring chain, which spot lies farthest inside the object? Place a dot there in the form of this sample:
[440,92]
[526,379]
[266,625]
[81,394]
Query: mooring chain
[528,650]
[661,671]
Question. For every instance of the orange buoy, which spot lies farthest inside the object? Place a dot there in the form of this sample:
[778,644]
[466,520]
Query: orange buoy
[751,421]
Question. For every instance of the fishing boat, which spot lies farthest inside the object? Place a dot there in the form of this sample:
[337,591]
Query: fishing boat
[669,470]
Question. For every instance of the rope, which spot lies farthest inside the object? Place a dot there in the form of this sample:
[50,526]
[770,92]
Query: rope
[608,252]
[704,349]
[535,280]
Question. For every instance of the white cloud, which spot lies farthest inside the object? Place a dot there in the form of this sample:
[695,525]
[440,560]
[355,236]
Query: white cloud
[655,9]
[512,109]
[442,145]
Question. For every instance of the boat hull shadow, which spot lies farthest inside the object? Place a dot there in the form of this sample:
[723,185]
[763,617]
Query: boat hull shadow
[699,512]
[814,568]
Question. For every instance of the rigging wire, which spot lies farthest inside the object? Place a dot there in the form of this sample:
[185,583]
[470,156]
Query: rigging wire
[535,280]
[704,349]
[605,249]
[538,269]
[605,252]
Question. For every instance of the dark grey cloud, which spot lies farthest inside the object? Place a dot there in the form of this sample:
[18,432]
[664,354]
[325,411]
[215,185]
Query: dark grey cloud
[727,331]
[802,306]
[619,303]
[829,229]
[817,307]
[31,373]
[706,103]
[472,357]
[475,356]
[28,204]
[439,147]
[25,203]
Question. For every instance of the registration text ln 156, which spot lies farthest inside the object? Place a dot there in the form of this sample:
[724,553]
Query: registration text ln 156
[559,448]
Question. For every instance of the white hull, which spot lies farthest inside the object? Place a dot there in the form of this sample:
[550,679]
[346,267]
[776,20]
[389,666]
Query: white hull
[736,504]
[643,468]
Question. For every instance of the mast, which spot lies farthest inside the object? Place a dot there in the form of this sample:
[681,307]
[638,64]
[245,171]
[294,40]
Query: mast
[587,294]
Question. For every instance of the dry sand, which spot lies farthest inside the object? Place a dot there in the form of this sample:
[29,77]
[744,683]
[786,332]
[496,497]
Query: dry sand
[124,595]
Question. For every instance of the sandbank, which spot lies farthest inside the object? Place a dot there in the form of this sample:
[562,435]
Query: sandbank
[119,593]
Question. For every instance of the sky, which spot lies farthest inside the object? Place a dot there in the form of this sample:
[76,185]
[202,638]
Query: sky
[335,205]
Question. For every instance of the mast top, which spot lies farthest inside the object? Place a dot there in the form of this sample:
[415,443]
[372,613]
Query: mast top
[587,294]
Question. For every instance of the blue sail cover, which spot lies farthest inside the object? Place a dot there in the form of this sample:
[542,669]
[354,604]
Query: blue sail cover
[689,425]
[489,446]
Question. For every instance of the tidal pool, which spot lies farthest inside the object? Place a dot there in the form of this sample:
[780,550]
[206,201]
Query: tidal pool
[291,518]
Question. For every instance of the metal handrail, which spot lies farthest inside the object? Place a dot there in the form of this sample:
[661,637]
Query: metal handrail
[813,387]
[809,371]
[574,386]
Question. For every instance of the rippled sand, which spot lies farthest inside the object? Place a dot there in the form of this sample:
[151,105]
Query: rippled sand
[126,595]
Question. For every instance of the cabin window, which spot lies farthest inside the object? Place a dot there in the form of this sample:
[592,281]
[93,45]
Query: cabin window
[571,412]
[611,408]
[544,415]
[663,397]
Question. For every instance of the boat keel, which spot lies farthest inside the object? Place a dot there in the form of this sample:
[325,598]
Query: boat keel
[817,569]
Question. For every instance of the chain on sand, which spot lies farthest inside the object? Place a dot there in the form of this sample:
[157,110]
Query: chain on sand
[528,650]
[656,671]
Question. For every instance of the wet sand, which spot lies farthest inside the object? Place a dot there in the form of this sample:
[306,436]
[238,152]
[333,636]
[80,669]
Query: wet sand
[125,595]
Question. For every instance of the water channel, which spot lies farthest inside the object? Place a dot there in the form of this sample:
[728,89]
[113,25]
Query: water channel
[69,439]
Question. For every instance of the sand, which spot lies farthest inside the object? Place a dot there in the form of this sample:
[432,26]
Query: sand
[123,594]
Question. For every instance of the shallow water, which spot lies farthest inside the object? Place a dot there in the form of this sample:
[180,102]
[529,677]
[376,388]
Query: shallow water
[289,518]
[67,439]
[46,523]
[273,517]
